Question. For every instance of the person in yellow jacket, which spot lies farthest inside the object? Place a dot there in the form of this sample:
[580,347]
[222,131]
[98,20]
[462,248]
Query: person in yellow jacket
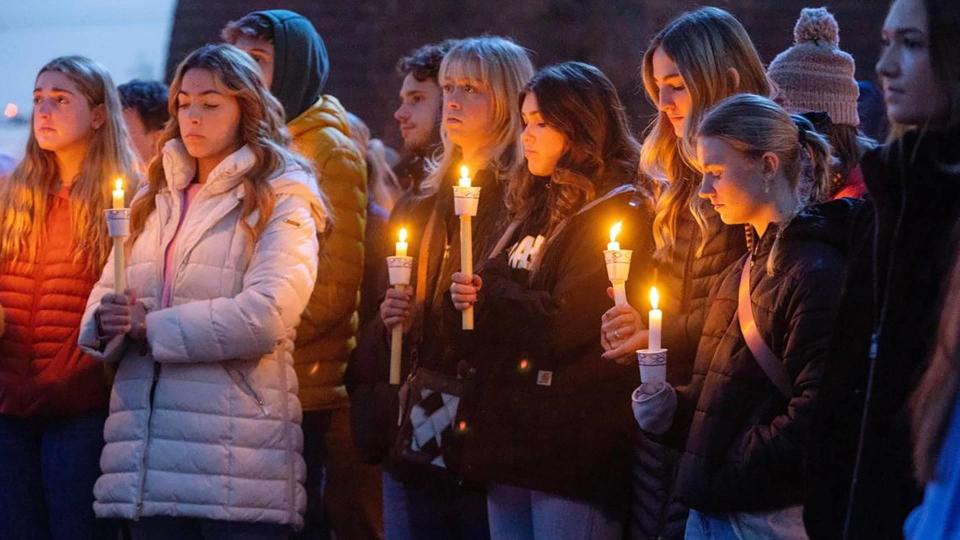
[343,494]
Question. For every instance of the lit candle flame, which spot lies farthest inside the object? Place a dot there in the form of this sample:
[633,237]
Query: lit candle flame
[403,235]
[615,231]
[654,298]
[119,184]
[464,176]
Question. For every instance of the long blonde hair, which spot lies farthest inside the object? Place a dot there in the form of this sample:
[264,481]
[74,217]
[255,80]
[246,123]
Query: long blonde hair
[703,44]
[755,125]
[24,195]
[261,128]
[504,68]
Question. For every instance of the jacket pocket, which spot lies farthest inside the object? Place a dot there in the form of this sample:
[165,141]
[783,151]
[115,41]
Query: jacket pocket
[239,379]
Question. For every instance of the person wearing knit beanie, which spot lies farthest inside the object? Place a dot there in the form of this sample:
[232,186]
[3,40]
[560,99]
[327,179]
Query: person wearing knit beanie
[814,74]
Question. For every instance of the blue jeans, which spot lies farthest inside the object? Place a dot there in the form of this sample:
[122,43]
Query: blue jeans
[524,514]
[784,524]
[47,470]
[433,508]
[170,528]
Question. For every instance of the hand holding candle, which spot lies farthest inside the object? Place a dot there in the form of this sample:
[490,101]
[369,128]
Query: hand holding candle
[618,265]
[466,199]
[400,268]
[118,226]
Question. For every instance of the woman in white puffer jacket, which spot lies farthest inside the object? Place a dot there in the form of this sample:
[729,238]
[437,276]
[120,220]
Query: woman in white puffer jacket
[203,436]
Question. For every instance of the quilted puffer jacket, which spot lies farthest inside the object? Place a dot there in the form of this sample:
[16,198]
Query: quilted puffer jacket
[204,416]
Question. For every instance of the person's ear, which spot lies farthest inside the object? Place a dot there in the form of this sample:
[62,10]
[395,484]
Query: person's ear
[98,115]
[734,77]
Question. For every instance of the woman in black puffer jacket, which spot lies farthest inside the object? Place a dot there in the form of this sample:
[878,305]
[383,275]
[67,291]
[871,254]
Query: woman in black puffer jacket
[742,466]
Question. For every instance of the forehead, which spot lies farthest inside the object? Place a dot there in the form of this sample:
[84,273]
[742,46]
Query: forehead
[530,104]
[411,84]
[198,81]
[462,70]
[250,43]
[663,65]
[54,79]
[714,150]
[906,14]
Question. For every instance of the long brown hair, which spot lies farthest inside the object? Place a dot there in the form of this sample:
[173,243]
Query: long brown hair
[933,400]
[261,129]
[704,44]
[23,196]
[578,100]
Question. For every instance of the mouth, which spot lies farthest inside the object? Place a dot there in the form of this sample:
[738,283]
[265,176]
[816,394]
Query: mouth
[453,121]
[46,129]
[192,136]
[675,119]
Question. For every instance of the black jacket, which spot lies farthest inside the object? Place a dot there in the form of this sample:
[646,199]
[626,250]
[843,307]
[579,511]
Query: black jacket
[548,413]
[745,445]
[894,288]
[688,279]
[374,402]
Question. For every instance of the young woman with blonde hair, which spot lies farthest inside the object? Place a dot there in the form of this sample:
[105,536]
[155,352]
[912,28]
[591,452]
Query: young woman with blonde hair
[53,243]
[695,61]
[746,415]
[481,79]
[204,437]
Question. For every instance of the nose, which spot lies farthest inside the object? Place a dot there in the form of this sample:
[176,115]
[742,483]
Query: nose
[526,136]
[401,113]
[886,65]
[706,190]
[666,99]
[193,114]
[451,100]
[43,108]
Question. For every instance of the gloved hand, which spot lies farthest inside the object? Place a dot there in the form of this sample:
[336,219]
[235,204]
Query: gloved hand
[654,405]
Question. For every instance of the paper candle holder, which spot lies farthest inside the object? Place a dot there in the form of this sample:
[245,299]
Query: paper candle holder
[618,263]
[653,365]
[400,269]
[118,222]
[466,200]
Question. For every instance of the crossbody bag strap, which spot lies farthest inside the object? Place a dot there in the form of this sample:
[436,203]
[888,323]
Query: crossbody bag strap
[768,361]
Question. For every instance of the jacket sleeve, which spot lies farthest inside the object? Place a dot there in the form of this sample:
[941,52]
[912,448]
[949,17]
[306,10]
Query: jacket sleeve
[277,282]
[774,450]
[342,176]
[89,338]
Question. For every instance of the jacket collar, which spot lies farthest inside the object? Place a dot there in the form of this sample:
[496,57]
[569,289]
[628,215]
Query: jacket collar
[180,168]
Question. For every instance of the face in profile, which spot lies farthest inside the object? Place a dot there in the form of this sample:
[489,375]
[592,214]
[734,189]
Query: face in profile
[910,87]
[419,111]
[467,111]
[62,117]
[208,115]
[674,100]
[262,52]
[543,145]
[144,141]
[732,182]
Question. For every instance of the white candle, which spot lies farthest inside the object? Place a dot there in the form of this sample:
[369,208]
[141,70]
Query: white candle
[614,231]
[466,243]
[118,198]
[656,320]
[402,244]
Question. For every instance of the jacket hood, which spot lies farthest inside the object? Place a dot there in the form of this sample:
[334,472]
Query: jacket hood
[829,222]
[300,62]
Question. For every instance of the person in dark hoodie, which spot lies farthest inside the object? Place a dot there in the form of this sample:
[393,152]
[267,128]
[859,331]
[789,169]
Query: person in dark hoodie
[861,481]
[746,414]
[294,64]
[549,428]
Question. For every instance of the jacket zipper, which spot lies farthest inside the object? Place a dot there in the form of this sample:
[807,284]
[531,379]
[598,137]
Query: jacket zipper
[146,440]
[252,392]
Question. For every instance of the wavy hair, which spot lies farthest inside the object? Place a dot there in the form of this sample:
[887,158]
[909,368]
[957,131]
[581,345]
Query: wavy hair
[24,195]
[261,129]
[580,102]
[704,44]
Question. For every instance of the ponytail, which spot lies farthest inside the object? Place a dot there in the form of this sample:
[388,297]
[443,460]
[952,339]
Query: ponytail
[814,184]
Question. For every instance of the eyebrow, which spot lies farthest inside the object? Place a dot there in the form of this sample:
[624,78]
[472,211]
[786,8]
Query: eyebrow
[669,76]
[201,94]
[54,89]
[259,50]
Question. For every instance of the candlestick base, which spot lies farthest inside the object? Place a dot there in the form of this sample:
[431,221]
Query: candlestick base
[653,365]
[466,200]
[400,269]
[618,264]
[118,222]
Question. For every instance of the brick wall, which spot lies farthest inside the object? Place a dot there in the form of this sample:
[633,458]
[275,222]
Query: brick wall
[366,37]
